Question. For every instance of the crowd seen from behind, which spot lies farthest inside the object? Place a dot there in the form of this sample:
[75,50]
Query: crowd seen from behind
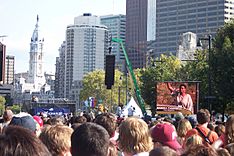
[109,135]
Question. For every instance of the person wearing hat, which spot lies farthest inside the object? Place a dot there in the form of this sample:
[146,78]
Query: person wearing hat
[164,134]
[39,124]
[24,120]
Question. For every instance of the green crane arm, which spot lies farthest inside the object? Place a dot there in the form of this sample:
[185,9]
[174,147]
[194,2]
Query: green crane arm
[129,65]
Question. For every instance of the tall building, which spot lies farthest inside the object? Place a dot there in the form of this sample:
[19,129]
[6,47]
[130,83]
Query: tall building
[9,71]
[36,71]
[187,47]
[151,20]
[86,46]
[136,31]
[60,72]
[116,26]
[175,17]
[2,62]
[34,80]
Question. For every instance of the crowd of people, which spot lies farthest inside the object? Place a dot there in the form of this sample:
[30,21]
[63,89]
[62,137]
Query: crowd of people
[108,135]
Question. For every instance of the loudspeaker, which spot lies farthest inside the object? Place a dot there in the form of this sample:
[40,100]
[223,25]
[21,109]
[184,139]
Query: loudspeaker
[110,71]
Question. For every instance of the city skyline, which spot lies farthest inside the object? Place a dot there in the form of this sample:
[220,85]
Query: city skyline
[18,20]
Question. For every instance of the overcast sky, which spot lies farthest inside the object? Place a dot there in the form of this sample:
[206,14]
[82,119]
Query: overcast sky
[18,19]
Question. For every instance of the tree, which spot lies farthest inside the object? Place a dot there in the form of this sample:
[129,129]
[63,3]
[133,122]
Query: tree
[163,69]
[222,64]
[15,108]
[93,86]
[196,70]
[2,103]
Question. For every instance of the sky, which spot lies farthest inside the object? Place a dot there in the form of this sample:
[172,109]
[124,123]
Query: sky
[18,20]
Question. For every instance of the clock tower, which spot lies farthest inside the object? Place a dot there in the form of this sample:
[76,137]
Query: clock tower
[36,72]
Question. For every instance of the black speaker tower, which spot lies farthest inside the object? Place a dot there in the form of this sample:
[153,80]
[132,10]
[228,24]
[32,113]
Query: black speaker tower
[110,71]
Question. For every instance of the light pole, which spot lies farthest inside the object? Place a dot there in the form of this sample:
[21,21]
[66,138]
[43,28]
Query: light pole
[209,39]
[120,78]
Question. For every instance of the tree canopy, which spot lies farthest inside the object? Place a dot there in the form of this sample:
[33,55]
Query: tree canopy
[94,86]
[222,64]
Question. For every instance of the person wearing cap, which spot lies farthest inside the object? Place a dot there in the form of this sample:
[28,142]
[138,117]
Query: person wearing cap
[164,134]
[39,124]
[24,120]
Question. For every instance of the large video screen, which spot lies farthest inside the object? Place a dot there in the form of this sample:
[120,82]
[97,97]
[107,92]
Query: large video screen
[173,97]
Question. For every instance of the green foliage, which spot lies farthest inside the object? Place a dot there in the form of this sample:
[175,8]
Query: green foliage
[222,64]
[197,70]
[2,104]
[16,108]
[163,69]
[94,86]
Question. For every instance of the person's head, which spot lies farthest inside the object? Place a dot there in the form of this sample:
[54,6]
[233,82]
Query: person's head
[112,150]
[223,152]
[24,120]
[75,126]
[56,120]
[88,117]
[183,88]
[39,124]
[7,115]
[200,150]
[193,140]
[108,121]
[230,148]
[211,126]
[162,151]
[20,141]
[220,129]
[193,120]
[164,134]
[80,119]
[90,139]
[57,139]
[183,127]
[38,120]
[203,116]
[134,136]
[229,129]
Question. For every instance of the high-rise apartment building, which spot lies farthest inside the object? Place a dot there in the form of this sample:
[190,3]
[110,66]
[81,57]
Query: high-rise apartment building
[116,25]
[151,20]
[60,72]
[9,70]
[136,31]
[2,62]
[175,17]
[86,46]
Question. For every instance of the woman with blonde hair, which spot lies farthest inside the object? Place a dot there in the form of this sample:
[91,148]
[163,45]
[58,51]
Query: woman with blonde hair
[183,127]
[134,137]
[193,140]
[228,136]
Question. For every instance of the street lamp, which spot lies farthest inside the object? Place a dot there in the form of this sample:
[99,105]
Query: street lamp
[209,39]
[120,78]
